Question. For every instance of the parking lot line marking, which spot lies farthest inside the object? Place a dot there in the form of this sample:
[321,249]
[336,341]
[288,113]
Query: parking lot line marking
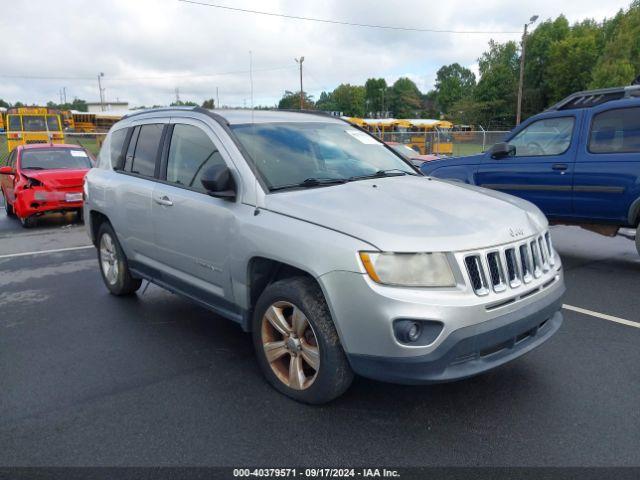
[41,252]
[604,316]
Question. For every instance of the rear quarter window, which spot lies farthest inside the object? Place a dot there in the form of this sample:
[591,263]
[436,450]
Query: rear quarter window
[616,131]
[111,152]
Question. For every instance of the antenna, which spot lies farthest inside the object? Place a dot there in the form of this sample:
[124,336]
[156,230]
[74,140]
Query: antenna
[251,80]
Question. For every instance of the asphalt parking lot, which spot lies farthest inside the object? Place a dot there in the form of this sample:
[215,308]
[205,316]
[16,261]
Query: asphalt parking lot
[90,379]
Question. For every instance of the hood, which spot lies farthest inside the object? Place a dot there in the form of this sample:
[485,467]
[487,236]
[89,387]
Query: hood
[57,178]
[413,214]
[429,167]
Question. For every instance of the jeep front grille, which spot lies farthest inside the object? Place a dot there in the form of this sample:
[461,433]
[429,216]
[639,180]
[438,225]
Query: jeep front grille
[510,267]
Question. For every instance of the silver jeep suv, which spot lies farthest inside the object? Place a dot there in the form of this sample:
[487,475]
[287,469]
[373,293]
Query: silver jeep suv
[333,251]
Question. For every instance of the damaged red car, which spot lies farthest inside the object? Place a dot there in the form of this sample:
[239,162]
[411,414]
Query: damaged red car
[44,178]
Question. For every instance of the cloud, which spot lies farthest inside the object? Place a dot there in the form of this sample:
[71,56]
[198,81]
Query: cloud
[148,48]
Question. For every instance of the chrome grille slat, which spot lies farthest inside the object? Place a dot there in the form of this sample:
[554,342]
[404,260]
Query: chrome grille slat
[511,266]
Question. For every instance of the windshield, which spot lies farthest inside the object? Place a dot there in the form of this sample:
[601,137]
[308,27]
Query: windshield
[54,159]
[34,123]
[405,150]
[287,154]
[52,123]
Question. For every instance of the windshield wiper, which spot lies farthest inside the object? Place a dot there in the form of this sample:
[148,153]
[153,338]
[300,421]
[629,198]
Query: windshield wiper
[310,182]
[391,172]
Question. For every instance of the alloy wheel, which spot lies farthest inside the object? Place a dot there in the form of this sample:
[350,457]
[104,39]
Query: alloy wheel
[109,259]
[290,345]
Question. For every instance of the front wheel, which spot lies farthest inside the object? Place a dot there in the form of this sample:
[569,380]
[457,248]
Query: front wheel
[297,344]
[27,222]
[113,264]
[8,208]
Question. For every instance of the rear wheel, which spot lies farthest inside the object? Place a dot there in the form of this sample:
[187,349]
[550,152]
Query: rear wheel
[113,264]
[296,342]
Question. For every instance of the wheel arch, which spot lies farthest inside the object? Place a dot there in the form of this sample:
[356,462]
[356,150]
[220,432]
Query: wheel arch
[634,212]
[262,272]
[96,219]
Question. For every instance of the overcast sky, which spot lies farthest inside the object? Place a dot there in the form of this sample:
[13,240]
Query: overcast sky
[148,48]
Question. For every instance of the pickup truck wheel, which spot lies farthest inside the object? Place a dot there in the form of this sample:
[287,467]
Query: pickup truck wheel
[113,264]
[296,342]
[638,239]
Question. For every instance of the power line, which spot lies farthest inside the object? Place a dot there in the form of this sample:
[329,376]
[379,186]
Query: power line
[155,77]
[340,22]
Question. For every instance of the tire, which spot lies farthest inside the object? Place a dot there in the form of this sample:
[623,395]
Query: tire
[80,215]
[112,261]
[8,208]
[310,344]
[28,222]
[638,239]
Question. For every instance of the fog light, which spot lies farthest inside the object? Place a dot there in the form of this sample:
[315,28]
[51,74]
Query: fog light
[417,332]
[408,331]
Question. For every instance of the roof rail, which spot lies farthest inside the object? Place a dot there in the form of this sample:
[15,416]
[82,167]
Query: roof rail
[161,109]
[591,98]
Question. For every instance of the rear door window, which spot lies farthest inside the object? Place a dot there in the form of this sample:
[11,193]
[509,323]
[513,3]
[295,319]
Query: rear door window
[616,131]
[146,150]
[14,123]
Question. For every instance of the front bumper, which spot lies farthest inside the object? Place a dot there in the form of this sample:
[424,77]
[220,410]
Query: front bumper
[470,350]
[34,201]
[478,332]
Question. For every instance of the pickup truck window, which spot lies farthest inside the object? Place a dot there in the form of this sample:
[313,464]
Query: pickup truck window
[549,136]
[616,131]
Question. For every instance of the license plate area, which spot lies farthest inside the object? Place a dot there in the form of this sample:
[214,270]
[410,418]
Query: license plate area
[73,197]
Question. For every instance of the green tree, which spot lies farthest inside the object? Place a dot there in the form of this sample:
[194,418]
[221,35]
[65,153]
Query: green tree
[496,91]
[291,101]
[619,62]
[538,85]
[183,103]
[453,83]
[326,102]
[405,100]
[571,61]
[349,99]
[375,91]
[209,104]
[4,104]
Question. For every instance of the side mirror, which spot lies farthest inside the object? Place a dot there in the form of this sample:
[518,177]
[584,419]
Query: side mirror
[502,150]
[218,182]
[6,170]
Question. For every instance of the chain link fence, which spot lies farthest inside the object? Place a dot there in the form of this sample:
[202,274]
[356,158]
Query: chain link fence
[90,141]
[456,144]
[434,143]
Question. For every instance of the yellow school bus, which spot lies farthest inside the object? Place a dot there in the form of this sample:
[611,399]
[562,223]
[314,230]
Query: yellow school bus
[26,125]
[429,135]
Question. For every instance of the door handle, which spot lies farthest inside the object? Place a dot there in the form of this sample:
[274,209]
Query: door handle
[560,166]
[164,200]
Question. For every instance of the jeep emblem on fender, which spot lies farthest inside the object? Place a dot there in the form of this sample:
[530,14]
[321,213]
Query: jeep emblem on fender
[516,232]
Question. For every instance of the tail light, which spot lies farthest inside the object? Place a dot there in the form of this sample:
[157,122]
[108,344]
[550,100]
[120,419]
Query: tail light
[14,136]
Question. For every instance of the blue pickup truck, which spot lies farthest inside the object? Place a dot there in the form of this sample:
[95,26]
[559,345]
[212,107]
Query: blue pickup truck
[579,161]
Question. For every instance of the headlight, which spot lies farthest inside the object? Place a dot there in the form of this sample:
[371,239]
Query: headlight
[409,269]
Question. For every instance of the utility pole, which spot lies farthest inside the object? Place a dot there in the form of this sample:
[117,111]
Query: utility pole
[299,62]
[64,94]
[383,114]
[217,99]
[177,96]
[101,91]
[521,81]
